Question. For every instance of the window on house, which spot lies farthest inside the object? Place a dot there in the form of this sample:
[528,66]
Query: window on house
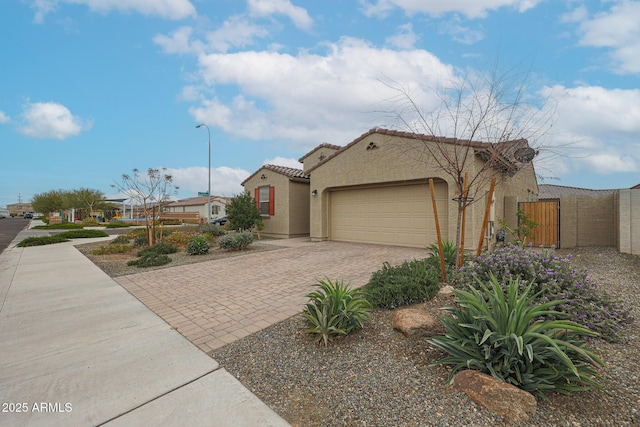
[215,209]
[265,200]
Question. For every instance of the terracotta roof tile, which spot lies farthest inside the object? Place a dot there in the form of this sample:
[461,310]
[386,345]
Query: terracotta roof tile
[291,173]
[323,145]
[505,149]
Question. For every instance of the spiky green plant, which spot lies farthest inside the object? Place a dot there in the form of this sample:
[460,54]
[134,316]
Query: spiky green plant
[335,309]
[506,336]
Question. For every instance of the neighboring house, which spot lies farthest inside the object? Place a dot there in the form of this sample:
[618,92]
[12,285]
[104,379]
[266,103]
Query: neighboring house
[282,196]
[375,190]
[19,209]
[199,205]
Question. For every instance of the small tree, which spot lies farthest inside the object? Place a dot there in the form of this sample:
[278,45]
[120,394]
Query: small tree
[87,200]
[151,191]
[50,201]
[482,115]
[243,212]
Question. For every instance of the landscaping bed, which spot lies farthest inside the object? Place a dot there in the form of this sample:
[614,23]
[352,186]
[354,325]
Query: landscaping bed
[378,377]
[115,265]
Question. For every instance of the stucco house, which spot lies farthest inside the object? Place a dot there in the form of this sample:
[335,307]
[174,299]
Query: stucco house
[375,189]
[199,205]
[282,197]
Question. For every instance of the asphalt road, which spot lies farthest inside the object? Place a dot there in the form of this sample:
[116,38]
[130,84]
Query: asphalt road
[9,228]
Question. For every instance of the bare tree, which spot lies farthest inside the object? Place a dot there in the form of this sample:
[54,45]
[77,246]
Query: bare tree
[150,191]
[487,115]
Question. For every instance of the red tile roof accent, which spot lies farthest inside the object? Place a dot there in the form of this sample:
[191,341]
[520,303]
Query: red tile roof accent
[323,145]
[505,149]
[291,173]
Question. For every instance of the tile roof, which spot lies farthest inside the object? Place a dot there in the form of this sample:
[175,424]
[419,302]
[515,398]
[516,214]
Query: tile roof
[198,201]
[323,145]
[505,149]
[550,191]
[291,173]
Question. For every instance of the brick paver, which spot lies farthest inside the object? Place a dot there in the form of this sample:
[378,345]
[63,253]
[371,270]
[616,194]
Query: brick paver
[217,302]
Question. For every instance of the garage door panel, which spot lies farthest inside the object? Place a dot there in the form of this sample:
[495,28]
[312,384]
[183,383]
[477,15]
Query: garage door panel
[399,215]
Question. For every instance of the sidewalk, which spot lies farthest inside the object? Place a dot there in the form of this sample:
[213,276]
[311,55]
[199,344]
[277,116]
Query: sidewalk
[78,349]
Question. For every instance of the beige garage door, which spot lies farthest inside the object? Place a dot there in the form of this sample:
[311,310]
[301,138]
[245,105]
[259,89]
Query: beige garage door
[398,215]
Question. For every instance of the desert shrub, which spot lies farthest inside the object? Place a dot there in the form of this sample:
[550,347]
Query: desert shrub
[151,259]
[213,230]
[141,241]
[198,245]
[90,222]
[112,248]
[121,239]
[335,309]
[449,252]
[235,241]
[42,240]
[161,248]
[62,226]
[411,282]
[116,223]
[83,234]
[501,334]
[178,238]
[553,278]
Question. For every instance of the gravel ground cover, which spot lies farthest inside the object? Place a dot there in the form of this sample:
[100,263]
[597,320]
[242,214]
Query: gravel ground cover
[378,377]
[116,265]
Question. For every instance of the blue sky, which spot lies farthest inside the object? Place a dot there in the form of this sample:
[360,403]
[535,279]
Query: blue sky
[90,89]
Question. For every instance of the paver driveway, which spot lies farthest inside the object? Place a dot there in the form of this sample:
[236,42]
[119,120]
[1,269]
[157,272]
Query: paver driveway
[216,302]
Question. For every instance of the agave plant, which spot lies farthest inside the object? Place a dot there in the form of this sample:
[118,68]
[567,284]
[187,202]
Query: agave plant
[335,309]
[507,337]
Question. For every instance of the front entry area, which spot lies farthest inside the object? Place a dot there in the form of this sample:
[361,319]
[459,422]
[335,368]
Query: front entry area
[400,215]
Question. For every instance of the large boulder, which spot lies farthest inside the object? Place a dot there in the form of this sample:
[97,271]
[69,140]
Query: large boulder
[416,322]
[506,400]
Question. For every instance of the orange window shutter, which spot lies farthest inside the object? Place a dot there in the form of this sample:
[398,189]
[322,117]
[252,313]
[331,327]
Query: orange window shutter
[272,207]
[256,194]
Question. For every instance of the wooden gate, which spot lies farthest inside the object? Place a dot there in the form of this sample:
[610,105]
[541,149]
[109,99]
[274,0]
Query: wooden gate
[547,215]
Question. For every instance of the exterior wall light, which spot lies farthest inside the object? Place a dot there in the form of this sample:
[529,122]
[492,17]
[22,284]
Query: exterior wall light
[314,193]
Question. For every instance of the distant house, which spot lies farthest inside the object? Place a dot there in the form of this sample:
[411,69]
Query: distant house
[199,205]
[375,190]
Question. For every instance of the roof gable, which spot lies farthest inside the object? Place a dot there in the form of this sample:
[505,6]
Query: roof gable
[504,151]
[291,173]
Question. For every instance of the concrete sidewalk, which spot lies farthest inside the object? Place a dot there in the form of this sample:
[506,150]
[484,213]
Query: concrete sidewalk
[78,349]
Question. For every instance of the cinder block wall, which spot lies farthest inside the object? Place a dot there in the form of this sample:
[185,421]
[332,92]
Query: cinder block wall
[588,221]
[628,213]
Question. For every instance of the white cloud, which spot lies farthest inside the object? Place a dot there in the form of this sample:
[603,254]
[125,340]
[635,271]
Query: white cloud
[405,38]
[461,33]
[596,130]
[179,42]
[51,120]
[471,9]
[309,98]
[169,9]
[298,15]
[283,161]
[235,32]
[4,118]
[619,30]
[225,181]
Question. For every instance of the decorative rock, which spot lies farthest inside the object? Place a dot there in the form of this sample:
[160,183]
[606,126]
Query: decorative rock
[415,322]
[446,291]
[506,400]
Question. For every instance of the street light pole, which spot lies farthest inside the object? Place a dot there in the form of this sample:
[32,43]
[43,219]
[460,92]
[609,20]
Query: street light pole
[209,180]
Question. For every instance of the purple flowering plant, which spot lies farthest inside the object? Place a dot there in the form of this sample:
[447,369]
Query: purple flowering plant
[554,278]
